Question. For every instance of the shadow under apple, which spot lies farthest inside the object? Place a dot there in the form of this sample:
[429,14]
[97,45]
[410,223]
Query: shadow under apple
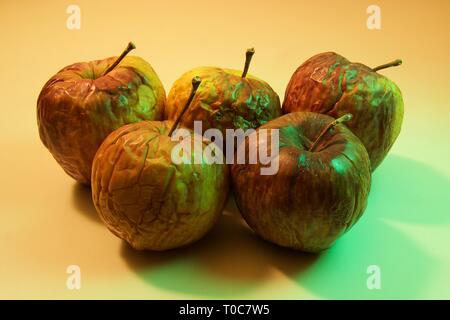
[229,261]
[82,200]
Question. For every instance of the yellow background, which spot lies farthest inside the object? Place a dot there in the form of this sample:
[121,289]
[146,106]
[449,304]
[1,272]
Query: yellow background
[48,221]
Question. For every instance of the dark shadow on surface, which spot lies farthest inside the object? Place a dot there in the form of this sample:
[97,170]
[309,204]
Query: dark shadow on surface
[82,200]
[229,261]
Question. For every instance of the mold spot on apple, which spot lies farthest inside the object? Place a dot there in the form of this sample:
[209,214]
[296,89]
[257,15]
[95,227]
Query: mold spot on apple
[123,101]
[302,160]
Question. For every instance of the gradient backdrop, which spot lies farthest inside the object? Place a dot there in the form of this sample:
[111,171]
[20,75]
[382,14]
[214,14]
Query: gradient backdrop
[48,221]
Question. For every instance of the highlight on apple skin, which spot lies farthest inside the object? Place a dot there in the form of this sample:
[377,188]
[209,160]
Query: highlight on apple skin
[320,190]
[84,102]
[226,99]
[330,84]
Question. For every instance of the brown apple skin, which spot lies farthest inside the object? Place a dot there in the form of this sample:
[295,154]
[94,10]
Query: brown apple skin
[330,84]
[78,107]
[146,199]
[224,100]
[315,197]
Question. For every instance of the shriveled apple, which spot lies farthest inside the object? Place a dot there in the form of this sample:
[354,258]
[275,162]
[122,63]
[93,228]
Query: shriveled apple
[330,84]
[226,99]
[320,189]
[84,102]
[147,199]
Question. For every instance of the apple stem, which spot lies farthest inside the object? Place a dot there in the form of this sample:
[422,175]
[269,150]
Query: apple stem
[395,63]
[344,118]
[195,84]
[129,47]
[248,58]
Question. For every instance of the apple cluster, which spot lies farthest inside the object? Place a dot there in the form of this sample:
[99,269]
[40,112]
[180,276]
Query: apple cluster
[109,124]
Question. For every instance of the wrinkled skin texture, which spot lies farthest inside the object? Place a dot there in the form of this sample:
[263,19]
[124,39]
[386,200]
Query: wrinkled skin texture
[146,199]
[224,100]
[316,196]
[78,108]
[330,84]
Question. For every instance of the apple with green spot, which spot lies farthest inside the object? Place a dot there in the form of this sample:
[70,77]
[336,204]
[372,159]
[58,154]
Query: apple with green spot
[149,200]
[226,99]
[320,189]
[84,102]
[330,84]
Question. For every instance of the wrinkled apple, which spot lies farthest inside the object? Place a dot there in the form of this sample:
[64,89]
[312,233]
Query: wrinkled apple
[84,102]
[146,198]
[330,84]
[320,189]
[226,99]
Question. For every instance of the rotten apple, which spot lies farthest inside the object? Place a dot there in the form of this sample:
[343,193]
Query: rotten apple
[147,199]
[84,102]
[226,99]
[320,189]
[330,84]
